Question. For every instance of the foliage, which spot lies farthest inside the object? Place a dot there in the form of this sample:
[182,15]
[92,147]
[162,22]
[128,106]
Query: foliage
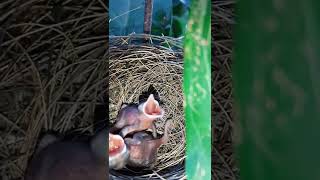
[275,73]
[169,17]
[197,90]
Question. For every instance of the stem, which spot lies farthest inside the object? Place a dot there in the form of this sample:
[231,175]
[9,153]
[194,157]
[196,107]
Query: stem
[147,16]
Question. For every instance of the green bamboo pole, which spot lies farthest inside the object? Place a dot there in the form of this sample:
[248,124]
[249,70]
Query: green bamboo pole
[277,89]
[197,91]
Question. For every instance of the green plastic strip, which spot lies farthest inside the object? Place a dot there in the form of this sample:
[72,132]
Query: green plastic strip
[197,91]
[277,89]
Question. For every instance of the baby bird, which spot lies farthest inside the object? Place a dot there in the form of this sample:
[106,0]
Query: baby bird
[133,117]
[118,152]
[57,159]
[143,148]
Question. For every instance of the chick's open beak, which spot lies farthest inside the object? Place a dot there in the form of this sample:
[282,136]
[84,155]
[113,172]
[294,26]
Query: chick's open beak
[116,144]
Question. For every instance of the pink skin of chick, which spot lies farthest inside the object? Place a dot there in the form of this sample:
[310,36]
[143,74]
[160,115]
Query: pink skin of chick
[118,152]
[56,159]
[143,148]
[133,118]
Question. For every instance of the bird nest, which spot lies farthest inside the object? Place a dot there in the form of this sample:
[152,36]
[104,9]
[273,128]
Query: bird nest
[135,63]
[53,74]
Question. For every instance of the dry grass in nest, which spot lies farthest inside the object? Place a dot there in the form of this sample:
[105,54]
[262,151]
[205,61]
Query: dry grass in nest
[53,73]
[133,67]
[224,163]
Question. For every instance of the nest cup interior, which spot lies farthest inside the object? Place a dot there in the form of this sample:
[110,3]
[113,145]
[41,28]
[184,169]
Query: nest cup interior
[134,65]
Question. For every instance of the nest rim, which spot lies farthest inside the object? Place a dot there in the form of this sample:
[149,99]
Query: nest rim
[169,49]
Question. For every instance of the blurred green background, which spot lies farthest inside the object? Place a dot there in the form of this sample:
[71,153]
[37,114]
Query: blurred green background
[169,17]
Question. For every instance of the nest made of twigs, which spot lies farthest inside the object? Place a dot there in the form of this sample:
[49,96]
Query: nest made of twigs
[53,73]
[224,165]
[134,65]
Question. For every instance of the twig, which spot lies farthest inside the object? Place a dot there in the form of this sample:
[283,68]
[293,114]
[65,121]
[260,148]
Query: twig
[148,16]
